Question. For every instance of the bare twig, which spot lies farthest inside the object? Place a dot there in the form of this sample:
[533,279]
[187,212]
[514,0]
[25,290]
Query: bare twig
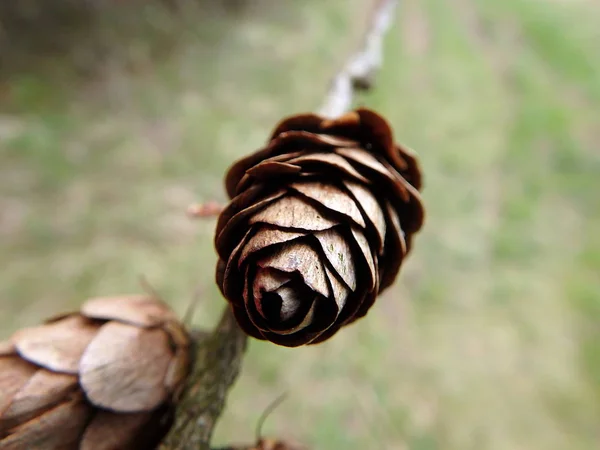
[208,209]
[218,358]
[191,309]
[148,288]
[266,413]
[361,67]
[218,355]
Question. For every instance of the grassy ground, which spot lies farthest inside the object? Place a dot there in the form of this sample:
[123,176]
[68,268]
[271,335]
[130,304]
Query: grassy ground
[490,340]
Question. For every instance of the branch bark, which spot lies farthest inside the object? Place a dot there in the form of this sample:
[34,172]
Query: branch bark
[361,67]
[218,354]
[217,361]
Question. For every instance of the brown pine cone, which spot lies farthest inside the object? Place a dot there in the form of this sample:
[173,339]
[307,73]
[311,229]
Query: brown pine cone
[319,223]
[101,379]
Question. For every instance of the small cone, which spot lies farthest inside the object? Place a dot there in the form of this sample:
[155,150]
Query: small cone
[105,378]
[319,223]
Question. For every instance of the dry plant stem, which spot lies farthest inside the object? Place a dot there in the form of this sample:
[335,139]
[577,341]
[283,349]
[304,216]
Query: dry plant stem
[218,357]
[360,68]
[204,210]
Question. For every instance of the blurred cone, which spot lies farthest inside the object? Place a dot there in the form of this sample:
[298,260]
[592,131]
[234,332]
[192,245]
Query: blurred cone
[319,223]
[270,444]
[273,444]
[101,379]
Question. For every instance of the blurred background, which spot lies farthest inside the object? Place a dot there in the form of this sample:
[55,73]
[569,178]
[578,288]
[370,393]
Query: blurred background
[116,115]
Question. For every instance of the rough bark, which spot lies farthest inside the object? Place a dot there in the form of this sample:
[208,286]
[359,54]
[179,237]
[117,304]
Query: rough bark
[218,354]
[217,361]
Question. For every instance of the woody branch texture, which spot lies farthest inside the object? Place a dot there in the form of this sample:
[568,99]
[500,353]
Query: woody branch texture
[319,223]
[196,415]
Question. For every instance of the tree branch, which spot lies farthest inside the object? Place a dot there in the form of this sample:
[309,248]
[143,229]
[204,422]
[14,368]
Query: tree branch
[218,355]
[217,361]
[360,69]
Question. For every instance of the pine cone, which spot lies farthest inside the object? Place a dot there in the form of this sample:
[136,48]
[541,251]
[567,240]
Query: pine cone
[101,379]
[319,223]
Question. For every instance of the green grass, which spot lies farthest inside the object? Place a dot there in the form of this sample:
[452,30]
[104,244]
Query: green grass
[489,340]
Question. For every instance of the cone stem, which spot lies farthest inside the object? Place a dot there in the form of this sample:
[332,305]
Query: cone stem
[360,68]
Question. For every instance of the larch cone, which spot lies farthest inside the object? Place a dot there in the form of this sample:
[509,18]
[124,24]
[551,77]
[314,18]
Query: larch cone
[319,223]
[104,378]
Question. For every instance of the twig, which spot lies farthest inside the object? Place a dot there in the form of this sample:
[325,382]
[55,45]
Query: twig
[201,210]
[361,67]
[218,355]
[218,358]
[265,415]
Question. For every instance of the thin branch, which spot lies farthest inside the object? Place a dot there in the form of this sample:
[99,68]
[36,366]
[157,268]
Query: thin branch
[266,413]
[218,355]
[202,210]
[218,358]
[361,67]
